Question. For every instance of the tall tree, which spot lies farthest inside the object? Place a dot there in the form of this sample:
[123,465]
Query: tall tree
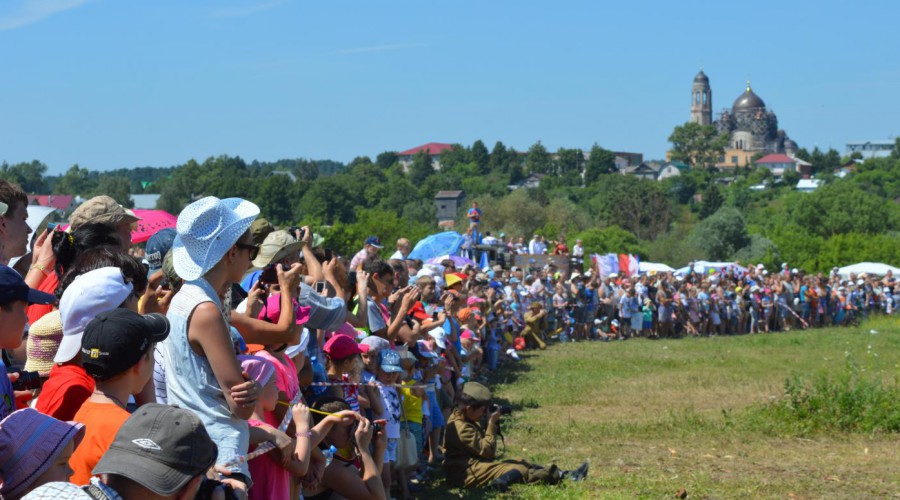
[700,146]
[421,168]
[538,160]
[479,155]
[569,161]
[499,158]
[712,200]
[76,181]
[29,176]
[386,159]
[601,161]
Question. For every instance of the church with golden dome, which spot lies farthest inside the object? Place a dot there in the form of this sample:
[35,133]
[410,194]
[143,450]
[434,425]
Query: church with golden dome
[752,127]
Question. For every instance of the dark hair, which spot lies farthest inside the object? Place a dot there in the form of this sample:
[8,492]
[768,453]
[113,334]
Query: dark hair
[68,246]
[377,265]
[12,195]
[105,256]
[398,266]
[328,404]
[466,400]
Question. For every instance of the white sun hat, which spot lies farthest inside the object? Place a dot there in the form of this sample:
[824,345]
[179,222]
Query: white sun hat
[438,334]
[207,229]
[90,294]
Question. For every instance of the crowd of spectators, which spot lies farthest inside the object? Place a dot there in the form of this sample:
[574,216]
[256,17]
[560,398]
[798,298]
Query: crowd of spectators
[229,359]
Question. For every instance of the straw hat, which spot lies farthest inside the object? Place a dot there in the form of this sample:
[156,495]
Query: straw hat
[44,337]
[207,229]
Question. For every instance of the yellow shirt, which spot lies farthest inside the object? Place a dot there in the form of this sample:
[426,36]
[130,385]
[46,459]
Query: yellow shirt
[412,405]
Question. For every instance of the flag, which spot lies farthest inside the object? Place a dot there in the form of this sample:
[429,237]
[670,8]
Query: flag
[624,263]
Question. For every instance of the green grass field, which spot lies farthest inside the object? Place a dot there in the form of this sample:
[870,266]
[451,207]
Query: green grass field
[653,417]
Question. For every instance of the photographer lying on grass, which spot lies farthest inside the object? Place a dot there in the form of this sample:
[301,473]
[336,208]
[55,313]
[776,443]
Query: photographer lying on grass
[470,450]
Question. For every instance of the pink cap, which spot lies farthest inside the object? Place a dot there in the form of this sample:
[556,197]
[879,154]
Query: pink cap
[342,346]
[474,300]
[259,369]
[271,310]
[467,334]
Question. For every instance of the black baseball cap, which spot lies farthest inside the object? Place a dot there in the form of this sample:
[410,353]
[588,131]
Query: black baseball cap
[13,288]
[160,447]
[114,341]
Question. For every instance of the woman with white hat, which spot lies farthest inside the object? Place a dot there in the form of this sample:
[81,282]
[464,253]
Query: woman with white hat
[212,250]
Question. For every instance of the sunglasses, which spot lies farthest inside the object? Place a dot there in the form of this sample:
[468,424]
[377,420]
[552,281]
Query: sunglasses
[254,249]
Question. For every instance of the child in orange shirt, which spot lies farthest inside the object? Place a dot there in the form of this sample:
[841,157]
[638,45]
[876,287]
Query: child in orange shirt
[117,350]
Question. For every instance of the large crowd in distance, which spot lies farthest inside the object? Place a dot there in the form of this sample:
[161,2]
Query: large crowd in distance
[226,358]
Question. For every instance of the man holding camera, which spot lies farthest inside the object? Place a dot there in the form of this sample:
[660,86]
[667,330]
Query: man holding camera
[470,449]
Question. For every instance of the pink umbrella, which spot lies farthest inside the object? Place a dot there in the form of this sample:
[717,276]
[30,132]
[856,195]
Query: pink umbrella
[151,222]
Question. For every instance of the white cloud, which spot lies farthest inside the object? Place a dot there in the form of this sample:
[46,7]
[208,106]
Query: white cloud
[247,9]
[378,48]
[32,11]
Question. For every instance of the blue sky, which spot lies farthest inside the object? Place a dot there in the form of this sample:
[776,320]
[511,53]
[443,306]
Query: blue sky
[115,83]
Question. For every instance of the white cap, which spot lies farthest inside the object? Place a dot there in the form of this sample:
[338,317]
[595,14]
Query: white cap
[795,271]
[613,275]
[301,347]
[760,267]
[376,343]
[438,334]
[90,294]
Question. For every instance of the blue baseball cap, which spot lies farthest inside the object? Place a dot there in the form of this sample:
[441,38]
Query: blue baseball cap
[389,360]
[375,241]
[158,246]
[13,288]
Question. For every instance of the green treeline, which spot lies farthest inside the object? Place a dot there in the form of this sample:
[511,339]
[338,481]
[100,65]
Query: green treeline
[581,195]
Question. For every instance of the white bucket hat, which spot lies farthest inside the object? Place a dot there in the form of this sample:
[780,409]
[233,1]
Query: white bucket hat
[207,229]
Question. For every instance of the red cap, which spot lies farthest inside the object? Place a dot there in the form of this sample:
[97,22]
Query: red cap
[418,312]
[343,346]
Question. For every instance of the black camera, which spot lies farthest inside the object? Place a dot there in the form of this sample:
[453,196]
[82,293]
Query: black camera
[28,381]
[503,409]
[269,275]
[293,232]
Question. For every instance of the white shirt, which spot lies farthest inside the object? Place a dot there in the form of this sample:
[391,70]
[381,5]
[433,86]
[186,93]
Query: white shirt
[535,247]
[578,251]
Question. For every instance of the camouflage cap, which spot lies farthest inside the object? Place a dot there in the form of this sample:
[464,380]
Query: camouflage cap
[168,270]
[260,229]
[477,392]
[101,210]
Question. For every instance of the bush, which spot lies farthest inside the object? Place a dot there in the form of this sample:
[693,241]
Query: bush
[849,400]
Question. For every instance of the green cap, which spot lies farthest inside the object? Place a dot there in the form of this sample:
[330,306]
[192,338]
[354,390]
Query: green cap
[317,240]
[3,208]
[260,229]
[477,392]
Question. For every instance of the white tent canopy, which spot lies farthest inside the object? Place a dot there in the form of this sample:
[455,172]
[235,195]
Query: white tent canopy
[646,267]
[870,268]
[703,267]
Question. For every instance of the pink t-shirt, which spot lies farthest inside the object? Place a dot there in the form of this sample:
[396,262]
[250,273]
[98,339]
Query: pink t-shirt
[286,379]
[270,480]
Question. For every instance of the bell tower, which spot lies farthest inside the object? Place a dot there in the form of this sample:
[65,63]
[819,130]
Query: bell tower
[701,100]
